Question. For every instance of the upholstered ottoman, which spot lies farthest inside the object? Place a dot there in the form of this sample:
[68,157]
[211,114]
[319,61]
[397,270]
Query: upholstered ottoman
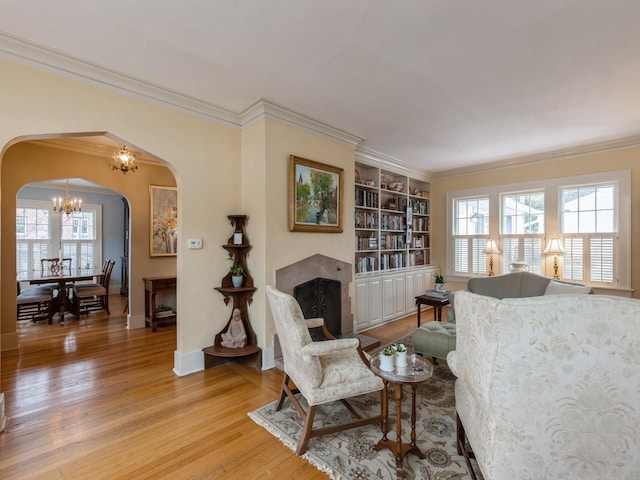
[435,339]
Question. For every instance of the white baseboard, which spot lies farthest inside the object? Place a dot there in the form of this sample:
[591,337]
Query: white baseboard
[186,363]
[268,359]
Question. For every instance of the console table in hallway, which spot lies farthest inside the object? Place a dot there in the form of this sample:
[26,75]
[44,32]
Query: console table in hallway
[151,287]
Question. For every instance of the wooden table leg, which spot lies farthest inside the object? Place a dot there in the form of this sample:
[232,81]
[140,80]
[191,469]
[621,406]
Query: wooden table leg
[418,305]
[385,411]
[414,447]
[399,450]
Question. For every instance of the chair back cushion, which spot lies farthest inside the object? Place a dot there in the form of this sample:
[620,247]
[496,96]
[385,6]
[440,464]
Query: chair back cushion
[510,285]
[293,334]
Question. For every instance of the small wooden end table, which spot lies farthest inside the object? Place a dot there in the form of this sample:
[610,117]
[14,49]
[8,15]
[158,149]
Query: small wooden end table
[151,287]
[416,372]
[437,302]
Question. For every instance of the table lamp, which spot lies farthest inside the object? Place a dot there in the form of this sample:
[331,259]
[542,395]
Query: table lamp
[555,248]
[490,250]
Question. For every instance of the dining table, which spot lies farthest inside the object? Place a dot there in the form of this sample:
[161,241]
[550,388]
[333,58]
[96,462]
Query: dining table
[62,279]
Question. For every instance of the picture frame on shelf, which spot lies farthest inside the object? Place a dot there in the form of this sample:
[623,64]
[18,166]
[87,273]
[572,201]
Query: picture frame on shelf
[315,196]
[163,216]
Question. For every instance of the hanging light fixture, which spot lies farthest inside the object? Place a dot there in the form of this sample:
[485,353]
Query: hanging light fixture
[67,206]
[123,160]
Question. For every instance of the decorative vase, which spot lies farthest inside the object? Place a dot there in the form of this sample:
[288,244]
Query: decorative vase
[387,362]
[439,287]
[401,359]
[236,280]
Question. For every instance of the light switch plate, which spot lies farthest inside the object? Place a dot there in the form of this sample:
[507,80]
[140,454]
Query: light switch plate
[194,243]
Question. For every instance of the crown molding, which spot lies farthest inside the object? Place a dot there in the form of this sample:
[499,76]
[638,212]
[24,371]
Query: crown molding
[40,57]
[266,109]
[43,58]
[381,160]
[550,156]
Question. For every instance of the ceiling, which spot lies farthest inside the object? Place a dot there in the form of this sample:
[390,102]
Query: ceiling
[439,84]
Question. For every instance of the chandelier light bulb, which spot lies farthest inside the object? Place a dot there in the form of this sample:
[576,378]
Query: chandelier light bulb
[124,159]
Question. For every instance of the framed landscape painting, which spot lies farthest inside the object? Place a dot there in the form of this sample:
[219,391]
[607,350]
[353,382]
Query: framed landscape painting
[163,207]
[315,196]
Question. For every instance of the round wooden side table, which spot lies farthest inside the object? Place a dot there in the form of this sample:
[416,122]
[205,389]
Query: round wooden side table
[416,372]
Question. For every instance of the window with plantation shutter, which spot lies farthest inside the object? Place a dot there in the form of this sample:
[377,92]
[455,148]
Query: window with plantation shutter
[589,228]
[33,236]
[41,234]
[522,227]
[470,233]
[79,237]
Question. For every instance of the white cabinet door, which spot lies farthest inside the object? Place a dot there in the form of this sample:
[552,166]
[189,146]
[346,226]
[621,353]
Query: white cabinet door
[393,296]
[429,280]
[401,289]
[375,301]
[411,278]
[388,298]
[362,303]
[368,293]
[416,285]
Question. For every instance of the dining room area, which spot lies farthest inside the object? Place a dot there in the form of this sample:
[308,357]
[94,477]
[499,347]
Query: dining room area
[81,232]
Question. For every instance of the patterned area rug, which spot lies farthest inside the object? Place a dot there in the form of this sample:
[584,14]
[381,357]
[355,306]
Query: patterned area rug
[350,454]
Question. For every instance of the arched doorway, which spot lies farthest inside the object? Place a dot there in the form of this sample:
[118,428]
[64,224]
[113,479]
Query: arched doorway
[37,160]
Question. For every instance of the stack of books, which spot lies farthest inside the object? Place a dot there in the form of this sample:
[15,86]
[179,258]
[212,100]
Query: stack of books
[436,294]
[163,312]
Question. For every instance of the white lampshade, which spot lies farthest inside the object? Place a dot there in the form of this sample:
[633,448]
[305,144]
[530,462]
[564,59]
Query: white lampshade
[554,246]
[491,247]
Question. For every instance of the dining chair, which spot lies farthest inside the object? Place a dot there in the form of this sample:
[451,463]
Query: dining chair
[321,372]
[35,303]
[93,296]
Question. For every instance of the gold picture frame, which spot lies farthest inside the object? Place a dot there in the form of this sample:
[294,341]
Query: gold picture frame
[315,196]
[163,227]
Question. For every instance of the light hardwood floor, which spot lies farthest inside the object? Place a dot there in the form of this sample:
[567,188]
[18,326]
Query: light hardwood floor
[92,400]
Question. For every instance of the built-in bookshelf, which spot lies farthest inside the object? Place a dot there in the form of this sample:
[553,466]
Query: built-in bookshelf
[391,220]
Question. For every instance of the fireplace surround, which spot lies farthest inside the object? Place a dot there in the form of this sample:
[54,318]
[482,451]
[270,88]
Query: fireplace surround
[320,267]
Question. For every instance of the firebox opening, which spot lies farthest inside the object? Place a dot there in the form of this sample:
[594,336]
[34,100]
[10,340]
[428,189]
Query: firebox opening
[321,297]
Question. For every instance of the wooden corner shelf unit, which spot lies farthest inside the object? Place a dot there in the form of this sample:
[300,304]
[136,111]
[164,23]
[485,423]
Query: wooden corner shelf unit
[242,296]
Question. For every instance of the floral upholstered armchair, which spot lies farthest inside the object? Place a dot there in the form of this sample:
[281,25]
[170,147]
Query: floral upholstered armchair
[549,387]
[321,372]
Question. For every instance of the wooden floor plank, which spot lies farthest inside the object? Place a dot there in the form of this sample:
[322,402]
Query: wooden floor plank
[95,400]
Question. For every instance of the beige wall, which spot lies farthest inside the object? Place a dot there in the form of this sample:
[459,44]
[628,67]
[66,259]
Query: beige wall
[266,149]
[618,159]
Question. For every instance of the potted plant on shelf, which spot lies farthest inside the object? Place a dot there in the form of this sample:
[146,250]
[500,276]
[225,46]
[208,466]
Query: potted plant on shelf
[387,358]
[439,282]
[237,274]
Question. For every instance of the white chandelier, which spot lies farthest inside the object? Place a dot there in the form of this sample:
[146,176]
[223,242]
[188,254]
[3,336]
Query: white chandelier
[123,160]
[67,206]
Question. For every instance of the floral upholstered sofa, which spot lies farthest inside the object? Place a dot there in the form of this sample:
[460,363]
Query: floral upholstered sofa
[549,386]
